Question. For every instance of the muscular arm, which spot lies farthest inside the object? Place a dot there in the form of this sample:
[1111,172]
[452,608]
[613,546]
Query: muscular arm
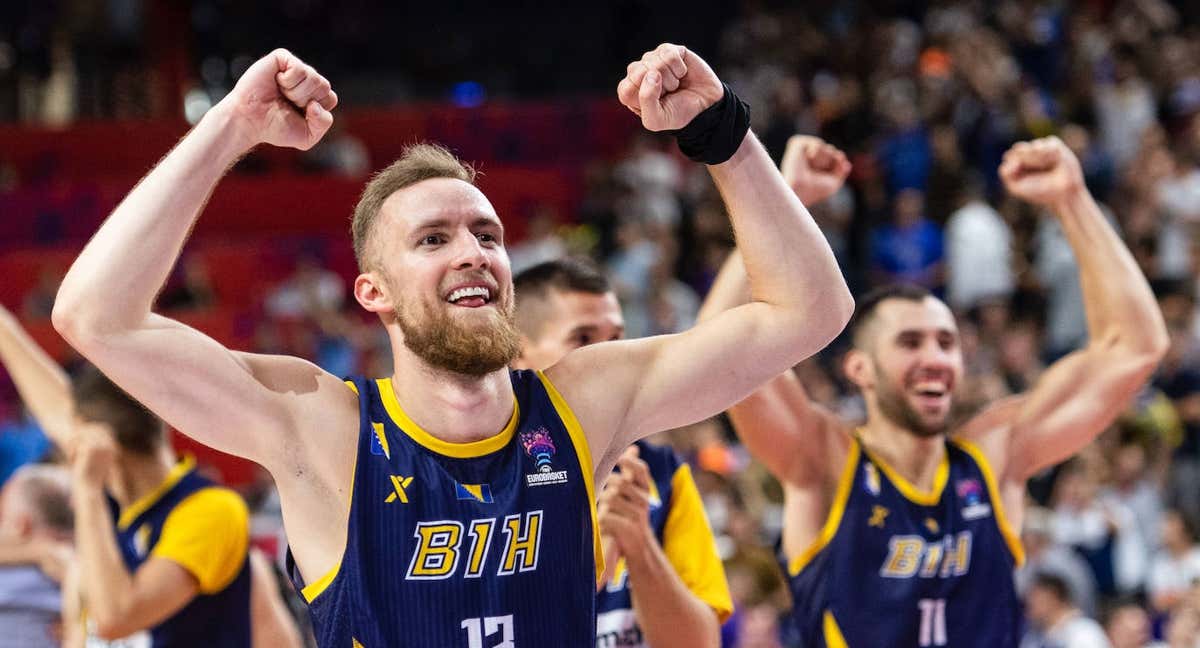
[104,304]
[1080,395]
[799,302]
[789,434]
[42,384]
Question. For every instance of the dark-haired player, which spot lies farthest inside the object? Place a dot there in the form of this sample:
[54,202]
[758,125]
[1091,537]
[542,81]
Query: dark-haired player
[904,532]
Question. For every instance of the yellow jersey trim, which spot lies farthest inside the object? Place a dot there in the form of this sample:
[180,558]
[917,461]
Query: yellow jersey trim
[833,633]
[314,589]
[447,448]
[910,491]
[584,453]
[143,503]
[311,591]
[1011,537]
[840,497]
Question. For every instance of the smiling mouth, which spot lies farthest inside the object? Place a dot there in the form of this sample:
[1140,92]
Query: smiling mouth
[931,393]
[470,296]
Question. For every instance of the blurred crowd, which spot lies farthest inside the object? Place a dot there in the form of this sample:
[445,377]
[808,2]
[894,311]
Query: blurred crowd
[924,98]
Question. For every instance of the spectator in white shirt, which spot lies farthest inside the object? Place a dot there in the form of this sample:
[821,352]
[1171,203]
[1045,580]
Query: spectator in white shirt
[1176,566]
[1054,620]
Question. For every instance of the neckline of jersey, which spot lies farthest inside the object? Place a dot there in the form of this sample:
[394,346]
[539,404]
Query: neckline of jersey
[415,432]
[143,503]
[909,490]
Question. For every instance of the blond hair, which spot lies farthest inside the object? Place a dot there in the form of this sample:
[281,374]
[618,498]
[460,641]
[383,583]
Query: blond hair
[416,163]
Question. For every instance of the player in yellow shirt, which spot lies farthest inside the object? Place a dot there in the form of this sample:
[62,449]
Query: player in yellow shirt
[162,551]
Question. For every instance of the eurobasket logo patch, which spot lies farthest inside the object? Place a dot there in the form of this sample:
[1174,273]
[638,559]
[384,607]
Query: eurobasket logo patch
[540,447]
[481,493]
[970,491]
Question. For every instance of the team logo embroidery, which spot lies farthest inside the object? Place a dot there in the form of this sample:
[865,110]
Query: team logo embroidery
[481,493]
[872,478]
[540,447]
[878,515]
[970,491]
[399,485]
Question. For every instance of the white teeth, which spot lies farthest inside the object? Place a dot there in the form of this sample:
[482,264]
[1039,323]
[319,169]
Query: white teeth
[472,291]
[931,389]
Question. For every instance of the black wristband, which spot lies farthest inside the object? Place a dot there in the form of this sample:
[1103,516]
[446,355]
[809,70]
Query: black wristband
[714,135]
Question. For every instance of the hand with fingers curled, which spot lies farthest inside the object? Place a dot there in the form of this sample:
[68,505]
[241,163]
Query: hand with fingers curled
[672,89]
[623,508]
[814,169]
[93,454]
[1044,172]
[282,101]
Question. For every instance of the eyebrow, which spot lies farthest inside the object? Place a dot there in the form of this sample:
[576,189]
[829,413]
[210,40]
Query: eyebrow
[441,223]
[918,331]
[593,327]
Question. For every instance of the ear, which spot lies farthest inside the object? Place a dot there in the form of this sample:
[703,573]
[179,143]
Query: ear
[858,368]
[372,294]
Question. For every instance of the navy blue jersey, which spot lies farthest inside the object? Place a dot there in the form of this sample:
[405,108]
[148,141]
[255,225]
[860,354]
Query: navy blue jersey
[203,528]
[898,567]
[479,545]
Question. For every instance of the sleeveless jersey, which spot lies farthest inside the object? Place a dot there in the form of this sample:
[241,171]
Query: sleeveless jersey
[471,545]
[897,567]
[221,618]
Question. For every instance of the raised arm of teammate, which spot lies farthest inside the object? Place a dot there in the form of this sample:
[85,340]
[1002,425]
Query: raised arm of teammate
[623,391]
[1081,394]
[779,425]
[42,384]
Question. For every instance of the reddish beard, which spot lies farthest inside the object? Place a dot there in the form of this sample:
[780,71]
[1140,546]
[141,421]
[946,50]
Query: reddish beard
[446,343]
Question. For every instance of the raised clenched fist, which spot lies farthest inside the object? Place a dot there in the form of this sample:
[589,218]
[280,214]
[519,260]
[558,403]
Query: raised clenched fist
[813,169]
[668,87]
[1043,172]
[282,101]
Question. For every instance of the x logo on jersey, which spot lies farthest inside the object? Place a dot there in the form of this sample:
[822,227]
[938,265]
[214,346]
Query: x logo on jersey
[878,514]
[399,483]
